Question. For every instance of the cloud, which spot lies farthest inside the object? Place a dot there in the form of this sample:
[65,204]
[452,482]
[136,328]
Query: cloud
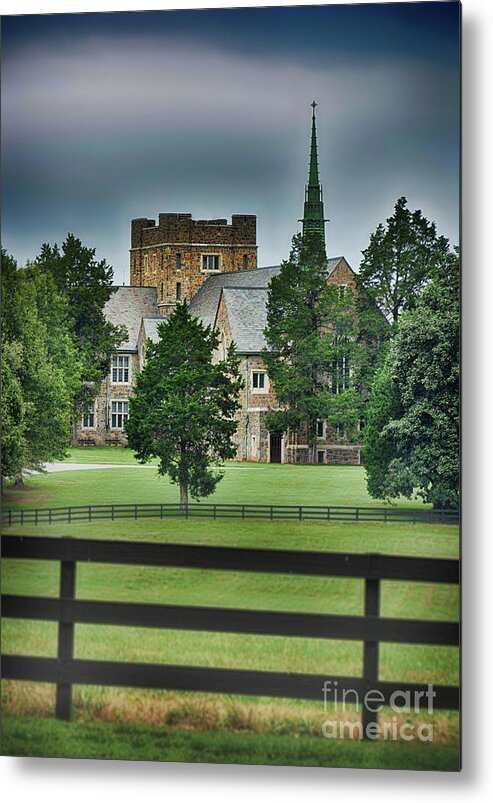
[115,128]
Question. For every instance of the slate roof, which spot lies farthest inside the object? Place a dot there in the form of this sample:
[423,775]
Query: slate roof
[245,296]
[136,306]
[150,327]
[127,306]
[205,302]
[247,315]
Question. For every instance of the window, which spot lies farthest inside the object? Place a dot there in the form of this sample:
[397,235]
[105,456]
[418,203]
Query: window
[119,414]
[210,262]
[341,373]
[88,418]
[320,457]
[320,428]
[162,289]
[178,291]
[120,369]
[178,262]
[259,381]
[245,261]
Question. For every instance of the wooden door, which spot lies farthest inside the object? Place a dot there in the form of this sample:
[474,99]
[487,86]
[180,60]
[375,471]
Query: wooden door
[275,448]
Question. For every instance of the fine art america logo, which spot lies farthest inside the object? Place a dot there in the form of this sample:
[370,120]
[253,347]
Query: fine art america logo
[401,702]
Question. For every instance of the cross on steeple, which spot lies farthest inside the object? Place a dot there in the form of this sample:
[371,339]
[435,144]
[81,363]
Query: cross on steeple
[313,213]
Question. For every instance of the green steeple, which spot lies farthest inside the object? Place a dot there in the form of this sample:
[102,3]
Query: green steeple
[313,213]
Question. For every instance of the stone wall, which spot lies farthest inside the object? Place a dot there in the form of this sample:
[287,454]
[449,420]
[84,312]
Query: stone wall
[102,434]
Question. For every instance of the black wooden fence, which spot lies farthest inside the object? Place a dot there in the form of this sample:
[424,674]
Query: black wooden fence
[67,610]
[234,511]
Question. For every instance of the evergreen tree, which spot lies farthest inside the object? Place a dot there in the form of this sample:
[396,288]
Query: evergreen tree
[183,405]
[400,259]
[313,355]
[412,432]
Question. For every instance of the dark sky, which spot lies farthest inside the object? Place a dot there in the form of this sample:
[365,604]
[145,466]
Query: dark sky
[106,117]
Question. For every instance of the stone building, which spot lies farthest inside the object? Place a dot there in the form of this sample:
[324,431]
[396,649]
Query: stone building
[213,266]
[103,423]
[178,254]
[236,305]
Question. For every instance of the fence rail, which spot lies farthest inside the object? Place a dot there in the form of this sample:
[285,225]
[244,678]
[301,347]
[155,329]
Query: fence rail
[371,628]
[235,511]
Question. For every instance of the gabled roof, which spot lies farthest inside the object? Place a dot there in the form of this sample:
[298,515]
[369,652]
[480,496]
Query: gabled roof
[127,306]
[205,302]
[247,314]
[247,310]
[149,325]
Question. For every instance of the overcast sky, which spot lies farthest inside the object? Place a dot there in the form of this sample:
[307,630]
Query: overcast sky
[107,117]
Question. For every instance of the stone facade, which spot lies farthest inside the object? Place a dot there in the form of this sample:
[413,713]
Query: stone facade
[235,313]
[178,254]
[103,426]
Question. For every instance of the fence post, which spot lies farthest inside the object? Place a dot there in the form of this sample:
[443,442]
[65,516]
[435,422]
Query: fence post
[10,518]
[65,655]
[112,513]
[70,514]
[36,517]
[370,649]
[90,513]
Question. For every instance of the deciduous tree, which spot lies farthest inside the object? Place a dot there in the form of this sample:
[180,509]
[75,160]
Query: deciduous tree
[87,285]
[401,258]
[412,432]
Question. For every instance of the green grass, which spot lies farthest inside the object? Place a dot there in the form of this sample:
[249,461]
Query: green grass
[247,483]
[46,737]
[292,722]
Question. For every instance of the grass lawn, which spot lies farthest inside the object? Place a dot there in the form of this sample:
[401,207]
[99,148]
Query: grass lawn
[45,737]
[203,727]
[247,483]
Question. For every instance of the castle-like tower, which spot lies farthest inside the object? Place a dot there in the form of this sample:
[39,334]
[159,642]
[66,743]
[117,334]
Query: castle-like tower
[178,254]
[313,212]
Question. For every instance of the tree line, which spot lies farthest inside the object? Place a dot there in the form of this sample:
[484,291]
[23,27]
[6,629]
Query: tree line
[56,349]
